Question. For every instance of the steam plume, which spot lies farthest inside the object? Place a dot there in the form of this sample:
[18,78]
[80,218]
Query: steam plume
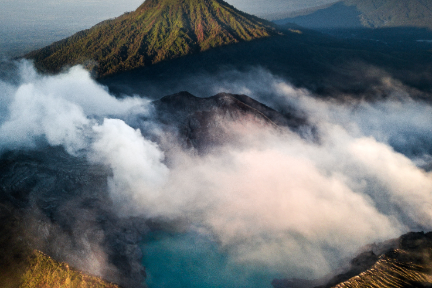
[273,198]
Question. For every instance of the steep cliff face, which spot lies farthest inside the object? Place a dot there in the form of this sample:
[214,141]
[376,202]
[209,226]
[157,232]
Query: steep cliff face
[59,204]
[391,271]
[402,262]
[408,265]
[158,30]
[22,266]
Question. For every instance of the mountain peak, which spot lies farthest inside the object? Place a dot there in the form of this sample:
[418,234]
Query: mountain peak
[157,30]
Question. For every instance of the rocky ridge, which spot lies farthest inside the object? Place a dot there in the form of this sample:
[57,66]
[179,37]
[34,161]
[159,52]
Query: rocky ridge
[200,123]
[405,262]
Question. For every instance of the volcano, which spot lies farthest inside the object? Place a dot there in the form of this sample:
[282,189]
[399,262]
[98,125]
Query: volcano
[158,30]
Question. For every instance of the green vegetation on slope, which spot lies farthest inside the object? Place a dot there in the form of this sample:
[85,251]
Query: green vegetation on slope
[23,267]
[158,30]
[394,13]
[43,271]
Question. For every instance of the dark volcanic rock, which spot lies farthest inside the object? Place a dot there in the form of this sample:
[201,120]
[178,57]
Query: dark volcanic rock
[63,209]
[201,122]
[402,262]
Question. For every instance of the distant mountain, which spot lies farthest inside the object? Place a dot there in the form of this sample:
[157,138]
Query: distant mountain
[158,30]
[394,13]
[402,262]
[338,15]
[367,13]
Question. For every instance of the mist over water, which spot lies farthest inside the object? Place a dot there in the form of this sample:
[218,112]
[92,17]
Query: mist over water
[196,260]
[271,203]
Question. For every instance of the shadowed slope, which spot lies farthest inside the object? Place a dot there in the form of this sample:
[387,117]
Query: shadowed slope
[201,122]
[367,13]
[156,31]
[22,267]
[394,13]
[59,204]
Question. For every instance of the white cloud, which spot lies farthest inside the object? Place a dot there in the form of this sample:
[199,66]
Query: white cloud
[59,109]
[136,163]
[272,197]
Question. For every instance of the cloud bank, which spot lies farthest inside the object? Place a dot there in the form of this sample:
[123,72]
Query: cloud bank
[272,198]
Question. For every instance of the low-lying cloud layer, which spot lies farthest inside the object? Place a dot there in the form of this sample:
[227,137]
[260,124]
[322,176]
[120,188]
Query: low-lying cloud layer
[57,109]
[273,198]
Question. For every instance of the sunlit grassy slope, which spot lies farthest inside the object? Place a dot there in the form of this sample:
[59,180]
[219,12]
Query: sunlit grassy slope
[156,31]
[23,267]
[43,271]
[408,265]
[390,272]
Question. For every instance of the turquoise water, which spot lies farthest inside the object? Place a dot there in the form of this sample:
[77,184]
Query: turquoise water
[193,260]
